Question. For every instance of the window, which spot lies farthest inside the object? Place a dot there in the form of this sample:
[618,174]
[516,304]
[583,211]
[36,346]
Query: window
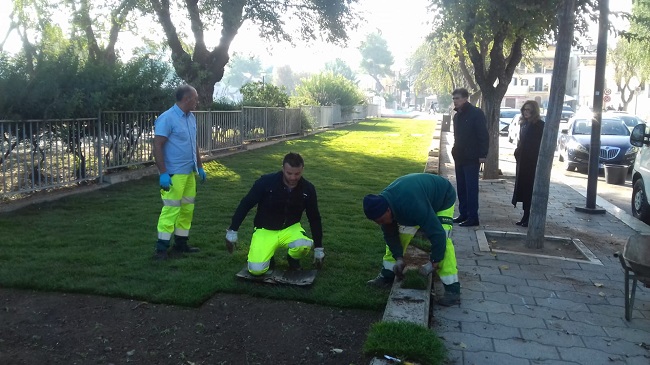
[524,82]
[575,83]
[539,84]
[514,81]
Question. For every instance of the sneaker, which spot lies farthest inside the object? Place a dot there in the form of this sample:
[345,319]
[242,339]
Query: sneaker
[460,219]
[293,263]
[380,282]
[449,299]
[160,255]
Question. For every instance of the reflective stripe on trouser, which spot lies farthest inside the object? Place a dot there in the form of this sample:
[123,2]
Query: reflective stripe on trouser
[265,241]
[447,270]
[178,209]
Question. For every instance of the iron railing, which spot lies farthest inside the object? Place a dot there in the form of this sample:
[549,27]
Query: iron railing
[45,154]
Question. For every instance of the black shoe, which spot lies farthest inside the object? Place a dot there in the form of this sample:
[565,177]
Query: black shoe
[522,223]
[380,282]
[293,263]
[449,299]
[460,219]
[160,255]
[469,223]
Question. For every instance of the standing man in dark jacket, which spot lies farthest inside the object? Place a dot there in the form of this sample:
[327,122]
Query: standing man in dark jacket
[470,149]
[281,197]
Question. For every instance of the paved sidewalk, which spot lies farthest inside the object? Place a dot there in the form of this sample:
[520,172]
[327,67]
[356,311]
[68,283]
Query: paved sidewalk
[541,310]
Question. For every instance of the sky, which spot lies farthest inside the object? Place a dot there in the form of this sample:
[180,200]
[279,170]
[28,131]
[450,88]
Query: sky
[403,24]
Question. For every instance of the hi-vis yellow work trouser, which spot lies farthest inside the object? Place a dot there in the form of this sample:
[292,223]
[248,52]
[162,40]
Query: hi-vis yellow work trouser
[178,209]
[447,270]
[265,241]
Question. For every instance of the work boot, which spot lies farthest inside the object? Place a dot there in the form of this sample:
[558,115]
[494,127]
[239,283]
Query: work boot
[294,264]
[272,263]
[160,255]
[181,246]
[449,299]
[380,282]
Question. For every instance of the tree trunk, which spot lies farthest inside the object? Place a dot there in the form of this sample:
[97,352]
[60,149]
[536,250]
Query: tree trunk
[490,104]
[537,223]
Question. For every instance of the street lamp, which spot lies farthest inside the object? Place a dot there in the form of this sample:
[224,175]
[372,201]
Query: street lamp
[636,97]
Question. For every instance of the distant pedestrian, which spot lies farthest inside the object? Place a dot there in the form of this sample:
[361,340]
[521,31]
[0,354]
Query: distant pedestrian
[412,202]
[531,128]
[470,149]
[178,161]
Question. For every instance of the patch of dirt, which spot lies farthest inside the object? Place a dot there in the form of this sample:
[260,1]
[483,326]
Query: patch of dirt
[59,328]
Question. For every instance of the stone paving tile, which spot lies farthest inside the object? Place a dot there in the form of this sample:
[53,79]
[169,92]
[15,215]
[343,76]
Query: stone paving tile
[523,273]
[597,319]
[501,279]
[587,275]
[509,298]
[455,357]
[561,304]
[584,298]
[525,349]
[530,291]
[459,314]
[628,334]
[483,270]
[550,285]
[575,328]
[492,358]
[467,342]
[552,337]
[540,312]
[490,330]
[483,286]
[558,263]
[468,294]
[516,320]
[616,346]
[488,306]
[590,356]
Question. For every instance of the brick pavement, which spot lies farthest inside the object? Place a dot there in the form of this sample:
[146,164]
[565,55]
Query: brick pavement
[542,310]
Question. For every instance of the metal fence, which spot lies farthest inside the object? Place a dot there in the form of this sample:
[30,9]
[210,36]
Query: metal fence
[44,154]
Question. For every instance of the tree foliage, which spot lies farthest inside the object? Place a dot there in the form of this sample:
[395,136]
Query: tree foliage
[376,59]
[329,89]
[202,65]
[241,70]
[261,94]
[340,67]
[495,34]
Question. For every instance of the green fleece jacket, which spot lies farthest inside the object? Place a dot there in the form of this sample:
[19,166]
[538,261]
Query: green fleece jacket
[414,200]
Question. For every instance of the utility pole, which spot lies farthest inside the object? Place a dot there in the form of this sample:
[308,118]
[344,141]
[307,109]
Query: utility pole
[599,86]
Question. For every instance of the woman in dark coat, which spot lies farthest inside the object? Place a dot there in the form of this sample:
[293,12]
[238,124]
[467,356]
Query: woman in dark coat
[531,128]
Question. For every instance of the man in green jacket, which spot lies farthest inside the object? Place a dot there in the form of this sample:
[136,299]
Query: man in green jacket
[413,201]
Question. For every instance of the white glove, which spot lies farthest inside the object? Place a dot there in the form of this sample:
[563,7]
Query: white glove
[426,269]
[231,240]
[319,257]
[398,269]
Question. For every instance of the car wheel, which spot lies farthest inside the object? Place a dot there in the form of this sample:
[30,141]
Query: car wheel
[568,166]
[640,207]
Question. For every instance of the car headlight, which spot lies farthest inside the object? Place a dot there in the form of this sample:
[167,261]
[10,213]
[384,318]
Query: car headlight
[575,145]
[632,151]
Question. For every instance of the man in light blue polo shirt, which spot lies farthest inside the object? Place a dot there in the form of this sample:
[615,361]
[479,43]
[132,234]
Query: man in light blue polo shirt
[178,161]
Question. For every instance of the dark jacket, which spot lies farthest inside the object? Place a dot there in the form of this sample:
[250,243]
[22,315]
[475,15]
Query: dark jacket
[526,153]
[471,140]
[414,200]
[279,208]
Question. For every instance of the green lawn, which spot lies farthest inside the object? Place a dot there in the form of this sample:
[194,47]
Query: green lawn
[102,242]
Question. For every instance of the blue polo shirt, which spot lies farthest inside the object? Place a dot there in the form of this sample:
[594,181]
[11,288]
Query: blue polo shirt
[180,150]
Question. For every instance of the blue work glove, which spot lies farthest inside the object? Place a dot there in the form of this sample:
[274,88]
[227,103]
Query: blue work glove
[319,257]
[165,181]
[202,174]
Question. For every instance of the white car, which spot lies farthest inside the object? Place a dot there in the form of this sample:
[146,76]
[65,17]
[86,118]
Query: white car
[505,116]
[641,173]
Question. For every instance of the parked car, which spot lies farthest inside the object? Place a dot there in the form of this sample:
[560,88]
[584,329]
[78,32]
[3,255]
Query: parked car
[641,173]
[630,120]
[513,129]
[615,148]
[504,119]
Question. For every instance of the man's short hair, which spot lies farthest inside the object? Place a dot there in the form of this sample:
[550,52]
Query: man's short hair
[182,91]
[293,159]
[462,92]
